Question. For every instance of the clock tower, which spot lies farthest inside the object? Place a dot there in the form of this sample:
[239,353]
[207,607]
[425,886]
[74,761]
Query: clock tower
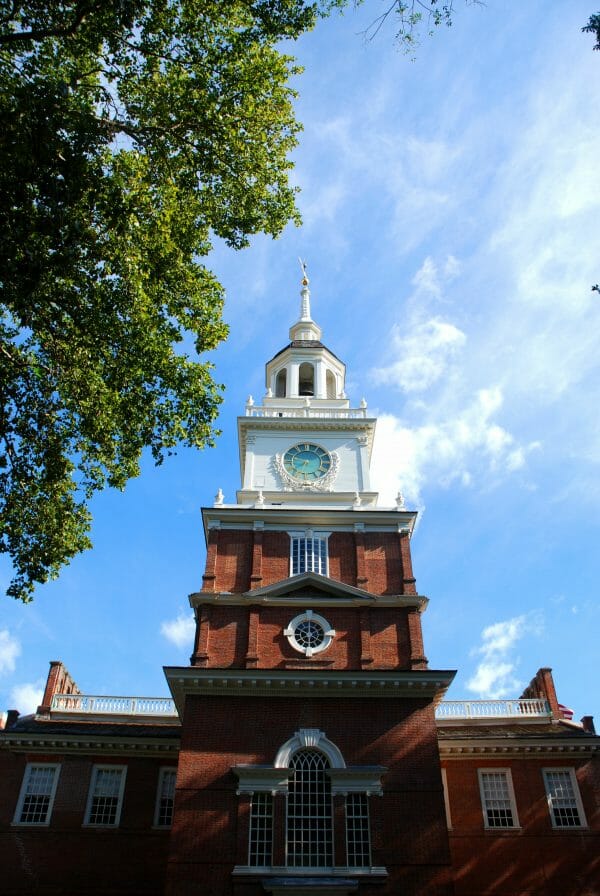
[309,760]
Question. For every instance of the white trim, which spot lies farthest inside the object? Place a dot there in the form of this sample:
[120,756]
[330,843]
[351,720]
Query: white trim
[511,797]
[163,772]
[88,809]
[446,799]
[570,771]
[309,738]
[26,778]
[309,616]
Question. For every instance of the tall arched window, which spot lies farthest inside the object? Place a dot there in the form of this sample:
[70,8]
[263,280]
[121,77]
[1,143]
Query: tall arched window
[306,379]
[281,384]
[309,812]
[330,384]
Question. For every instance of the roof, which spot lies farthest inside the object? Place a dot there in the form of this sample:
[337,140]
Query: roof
[304,343]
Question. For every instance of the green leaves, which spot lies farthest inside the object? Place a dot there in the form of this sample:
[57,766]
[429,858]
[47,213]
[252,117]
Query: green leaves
[130,132]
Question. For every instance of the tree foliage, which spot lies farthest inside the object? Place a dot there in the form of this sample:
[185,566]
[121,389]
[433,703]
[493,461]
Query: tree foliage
[593,27]
[131,132]
[412,17]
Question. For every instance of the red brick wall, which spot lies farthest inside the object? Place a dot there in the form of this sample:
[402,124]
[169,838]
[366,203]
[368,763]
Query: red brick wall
[67,858]
[383,567]
[536,860]
[387,628]
[408,826]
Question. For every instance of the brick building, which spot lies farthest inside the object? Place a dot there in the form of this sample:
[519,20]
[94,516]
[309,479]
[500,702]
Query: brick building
[308,747]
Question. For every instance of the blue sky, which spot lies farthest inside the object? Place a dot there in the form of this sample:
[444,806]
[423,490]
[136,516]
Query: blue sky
[451,209]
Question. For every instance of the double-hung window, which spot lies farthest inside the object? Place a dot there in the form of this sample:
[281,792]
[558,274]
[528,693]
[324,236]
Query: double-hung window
[308,553]
[564,802]
[37,793]
[106,795]
[165,798]
[497,799]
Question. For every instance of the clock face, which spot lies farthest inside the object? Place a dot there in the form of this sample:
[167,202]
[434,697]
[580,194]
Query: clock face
[307,462]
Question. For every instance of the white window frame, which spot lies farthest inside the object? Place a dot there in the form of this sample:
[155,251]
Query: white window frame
[23,794]
[570,771]
[511,796]
[305,534]
[261,825]
[164,771]
[306,616]
[88,809]
[446,799]
[357,839]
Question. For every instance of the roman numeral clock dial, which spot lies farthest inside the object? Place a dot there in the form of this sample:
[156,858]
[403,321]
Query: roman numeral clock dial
[306,462]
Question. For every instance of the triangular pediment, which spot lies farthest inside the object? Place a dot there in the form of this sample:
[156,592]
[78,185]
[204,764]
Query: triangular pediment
[310,586]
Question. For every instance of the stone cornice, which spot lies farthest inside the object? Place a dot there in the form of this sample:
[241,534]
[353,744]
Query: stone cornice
[400,601]
[534,747]
[427,684]
[288,517]
[90,744]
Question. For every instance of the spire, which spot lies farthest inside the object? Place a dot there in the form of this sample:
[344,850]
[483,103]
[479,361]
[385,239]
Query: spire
[304,294]
[305,328]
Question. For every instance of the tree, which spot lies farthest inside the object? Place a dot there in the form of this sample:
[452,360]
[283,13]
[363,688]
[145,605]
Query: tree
[414,15]
[131,133]
[593,27]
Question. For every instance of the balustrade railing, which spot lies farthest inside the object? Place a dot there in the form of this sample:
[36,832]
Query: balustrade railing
[122,706]
[164,707]
[253,410]
[492,709]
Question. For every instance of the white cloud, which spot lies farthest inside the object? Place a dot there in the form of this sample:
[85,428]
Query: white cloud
[494,676]
[10,649]
[27,697]
[179,631]
[423,355]
[461,446]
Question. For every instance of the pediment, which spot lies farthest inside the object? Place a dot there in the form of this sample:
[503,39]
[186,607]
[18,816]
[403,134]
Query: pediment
[309,586]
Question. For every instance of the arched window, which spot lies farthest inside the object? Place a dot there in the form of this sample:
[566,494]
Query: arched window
[330,384]
[281,384]
[306,379]
[309,812]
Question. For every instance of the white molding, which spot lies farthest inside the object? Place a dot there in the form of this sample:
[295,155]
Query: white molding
[324,484]
[290,633]
[311,738]
[446,799]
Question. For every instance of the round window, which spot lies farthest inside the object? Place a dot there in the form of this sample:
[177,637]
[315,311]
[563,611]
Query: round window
[309,633]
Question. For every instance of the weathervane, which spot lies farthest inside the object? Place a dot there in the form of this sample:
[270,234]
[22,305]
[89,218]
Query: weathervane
[304,274]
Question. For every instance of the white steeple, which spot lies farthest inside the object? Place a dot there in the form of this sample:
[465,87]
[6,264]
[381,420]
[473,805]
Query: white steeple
[305,421]
[305,328]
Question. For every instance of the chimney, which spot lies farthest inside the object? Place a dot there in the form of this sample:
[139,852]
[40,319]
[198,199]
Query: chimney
[587,723]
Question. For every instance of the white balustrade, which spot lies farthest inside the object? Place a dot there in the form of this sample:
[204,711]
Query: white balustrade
[492,709]
[122,706]
[253,410]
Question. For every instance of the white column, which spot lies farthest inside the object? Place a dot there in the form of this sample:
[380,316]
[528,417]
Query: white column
[293,384]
